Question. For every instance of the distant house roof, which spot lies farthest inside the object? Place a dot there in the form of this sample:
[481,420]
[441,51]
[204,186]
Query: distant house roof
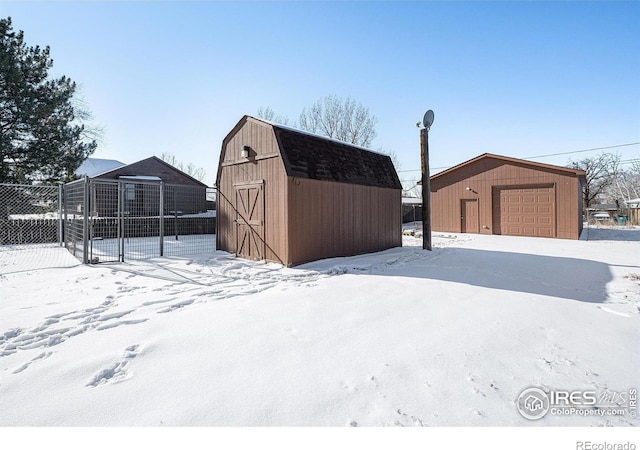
[411,201]
[151,169]
[576,172]
[140,177]
[633,201]
[308,155]
[95,166]
[604,207]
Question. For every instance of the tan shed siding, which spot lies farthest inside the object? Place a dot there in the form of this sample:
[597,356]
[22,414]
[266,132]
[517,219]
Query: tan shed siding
[328,219]
[265,165]
[567,208]
[482,176]
[580,207]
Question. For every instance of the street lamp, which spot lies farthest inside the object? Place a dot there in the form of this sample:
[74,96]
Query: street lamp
[426,182]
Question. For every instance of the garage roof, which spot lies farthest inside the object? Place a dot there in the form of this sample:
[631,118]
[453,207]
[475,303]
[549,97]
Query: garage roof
[522,162]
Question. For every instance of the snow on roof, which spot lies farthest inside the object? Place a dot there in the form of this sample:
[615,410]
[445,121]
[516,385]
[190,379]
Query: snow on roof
[411,201]
[95,166]
[140,177]
[319,136]
[604,206]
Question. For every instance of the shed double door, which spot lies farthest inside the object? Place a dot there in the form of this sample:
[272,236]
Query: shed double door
[250,221]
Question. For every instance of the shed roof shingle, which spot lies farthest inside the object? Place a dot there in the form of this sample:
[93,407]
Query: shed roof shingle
[310,156]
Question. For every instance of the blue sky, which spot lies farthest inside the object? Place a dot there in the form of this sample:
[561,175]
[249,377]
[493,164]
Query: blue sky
[519,79]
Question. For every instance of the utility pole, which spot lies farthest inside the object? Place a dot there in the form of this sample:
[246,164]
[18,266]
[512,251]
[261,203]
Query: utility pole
[426,182]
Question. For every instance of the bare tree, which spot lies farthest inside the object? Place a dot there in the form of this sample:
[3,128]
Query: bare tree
[91,131]
[626,182]
[600,174]
[196,172]
[394,158]
[634,177]
[345,120]
[268,114]
[190,169]
[414,189]
[170,158]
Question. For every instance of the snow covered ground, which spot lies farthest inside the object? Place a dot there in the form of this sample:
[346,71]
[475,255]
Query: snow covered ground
[402,337]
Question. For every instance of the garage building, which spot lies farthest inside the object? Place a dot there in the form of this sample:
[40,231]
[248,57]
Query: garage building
[494,194]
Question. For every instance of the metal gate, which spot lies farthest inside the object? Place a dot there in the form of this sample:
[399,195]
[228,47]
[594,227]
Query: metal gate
[133,218]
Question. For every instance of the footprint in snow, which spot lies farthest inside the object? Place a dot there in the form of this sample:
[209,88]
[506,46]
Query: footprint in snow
[409,419]
[116,372]
[41,356]
[479,392]
[176,306]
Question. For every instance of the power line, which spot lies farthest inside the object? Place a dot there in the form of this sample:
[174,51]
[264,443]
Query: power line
[582,151]
[553,154]
[420,170]
[626,161]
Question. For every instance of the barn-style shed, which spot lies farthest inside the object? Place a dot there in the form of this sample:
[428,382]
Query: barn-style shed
[291,197]
[494,194]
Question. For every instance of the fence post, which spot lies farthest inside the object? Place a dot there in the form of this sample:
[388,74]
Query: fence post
[60,221]
[120,222]
[65,218]
[161,218]
[85,223]
[175,211]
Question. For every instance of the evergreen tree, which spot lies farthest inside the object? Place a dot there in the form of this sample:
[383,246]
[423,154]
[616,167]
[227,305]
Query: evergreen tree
[41,137]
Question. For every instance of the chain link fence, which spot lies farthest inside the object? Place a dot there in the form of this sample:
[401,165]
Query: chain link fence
[106,220]
[29,214]
[130,218]
[30,228]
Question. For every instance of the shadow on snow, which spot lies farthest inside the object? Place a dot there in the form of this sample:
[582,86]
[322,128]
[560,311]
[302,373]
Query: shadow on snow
[610,234]
[571,278]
